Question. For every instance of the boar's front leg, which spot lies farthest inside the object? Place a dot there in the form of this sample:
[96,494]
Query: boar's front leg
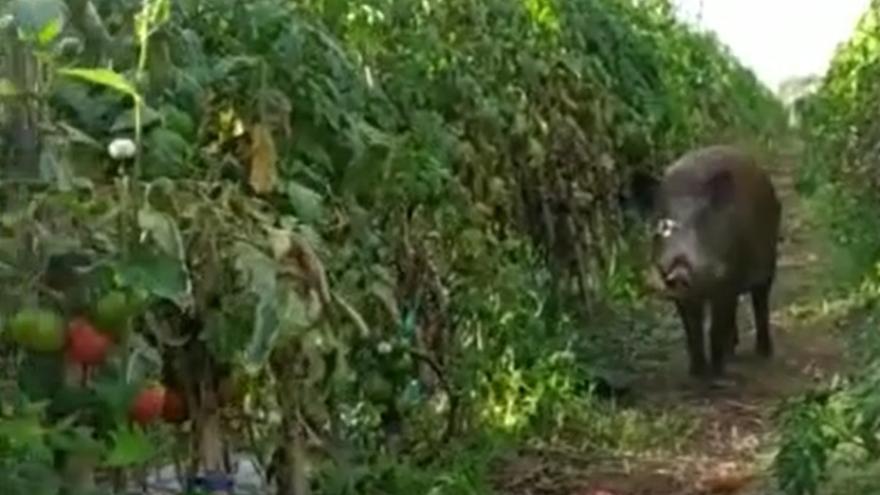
[691,313]
[723,326]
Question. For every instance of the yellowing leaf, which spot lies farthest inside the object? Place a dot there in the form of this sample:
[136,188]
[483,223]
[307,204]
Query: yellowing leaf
[263,159]
[310,267]
[279,241]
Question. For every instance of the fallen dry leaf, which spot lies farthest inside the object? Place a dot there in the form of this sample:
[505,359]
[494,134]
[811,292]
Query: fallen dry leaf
[263,159]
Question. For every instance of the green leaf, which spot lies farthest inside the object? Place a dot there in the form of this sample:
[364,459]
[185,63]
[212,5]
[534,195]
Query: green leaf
[131,447]
[78,440]
[163,230]
[125,121]
[116,392]
[40,376]
[257,269]
[54,164]
[259,273]
[77,136]
[293,311]
[90,110]
[179,121]
[306,202]
[104,77]
[166,154]
[29,478]
[374,135]
[228,332]
[266,326]
[24,432]
[144,361]
[158,274]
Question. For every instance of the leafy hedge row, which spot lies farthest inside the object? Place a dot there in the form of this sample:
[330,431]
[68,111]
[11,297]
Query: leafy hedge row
[371,204]
[841,157]
[829,436]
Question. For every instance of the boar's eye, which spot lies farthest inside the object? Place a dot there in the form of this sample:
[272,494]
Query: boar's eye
[665,227]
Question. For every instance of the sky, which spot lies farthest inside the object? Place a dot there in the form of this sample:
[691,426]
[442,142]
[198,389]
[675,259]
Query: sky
[779,38]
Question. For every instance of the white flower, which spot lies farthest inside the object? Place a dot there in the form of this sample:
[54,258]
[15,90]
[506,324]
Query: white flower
[121,148]
[384,347]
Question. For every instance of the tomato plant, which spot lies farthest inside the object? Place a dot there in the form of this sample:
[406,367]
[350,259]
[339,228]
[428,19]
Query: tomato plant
[326,223]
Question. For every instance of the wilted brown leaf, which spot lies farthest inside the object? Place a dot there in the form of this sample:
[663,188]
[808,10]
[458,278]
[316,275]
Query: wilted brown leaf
[312,266]
[303,263]
[264,158]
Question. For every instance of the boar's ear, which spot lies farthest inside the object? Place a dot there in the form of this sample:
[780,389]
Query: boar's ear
[720,187]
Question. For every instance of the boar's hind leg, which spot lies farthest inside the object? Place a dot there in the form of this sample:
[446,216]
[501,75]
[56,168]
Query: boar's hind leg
[723,326]
[761,310]
[691,314]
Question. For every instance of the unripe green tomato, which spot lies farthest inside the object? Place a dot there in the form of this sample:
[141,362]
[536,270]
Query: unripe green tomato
[37,330]
[112,313]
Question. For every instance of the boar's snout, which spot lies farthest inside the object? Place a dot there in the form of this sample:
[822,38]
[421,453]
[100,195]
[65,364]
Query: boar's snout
[677,275]
[678,279]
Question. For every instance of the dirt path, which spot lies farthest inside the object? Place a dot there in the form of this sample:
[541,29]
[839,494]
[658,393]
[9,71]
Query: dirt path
[731,438]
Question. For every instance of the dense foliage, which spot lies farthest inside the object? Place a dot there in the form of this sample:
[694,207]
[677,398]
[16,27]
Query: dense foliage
[347,232]
[830,436]
[840,168]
